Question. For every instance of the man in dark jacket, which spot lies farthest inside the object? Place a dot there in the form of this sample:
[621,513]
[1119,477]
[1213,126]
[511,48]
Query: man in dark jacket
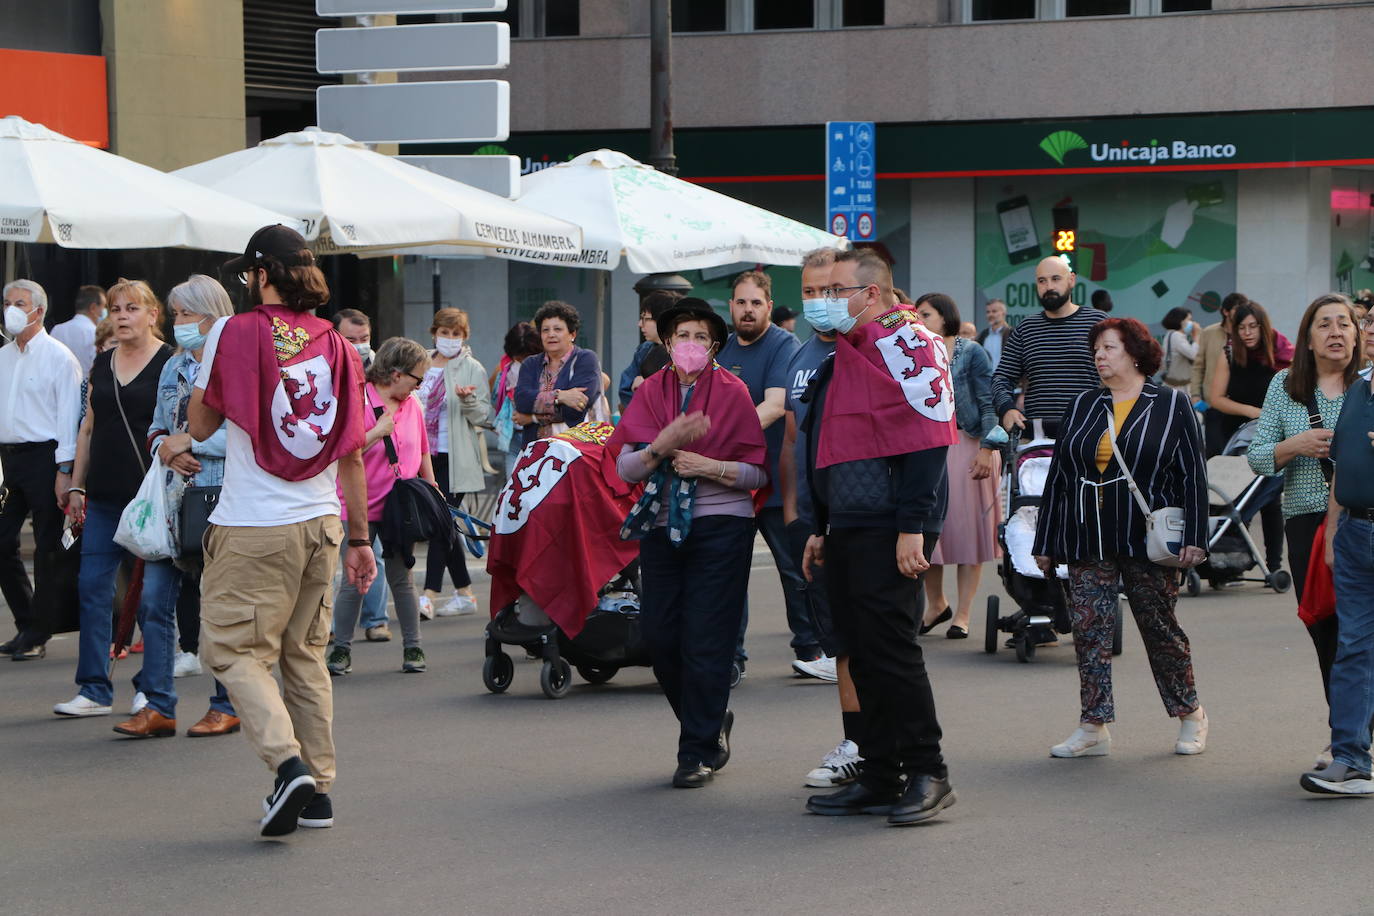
[878,429]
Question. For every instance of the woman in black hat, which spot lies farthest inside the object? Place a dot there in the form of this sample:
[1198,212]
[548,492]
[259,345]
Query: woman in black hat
[692,435]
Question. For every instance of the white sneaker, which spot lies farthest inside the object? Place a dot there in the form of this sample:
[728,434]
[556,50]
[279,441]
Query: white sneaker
[1086,741]
[140,701]
[1192,733]
[837,768]
[187,664]
[1323,759]
[458,606]
[822,668]
[426,608]
[80,706]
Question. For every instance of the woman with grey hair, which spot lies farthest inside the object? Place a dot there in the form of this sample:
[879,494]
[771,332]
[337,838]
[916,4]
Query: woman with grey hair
[393,413]
[195,305]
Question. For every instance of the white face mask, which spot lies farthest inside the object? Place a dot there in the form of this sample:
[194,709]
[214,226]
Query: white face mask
[448,346]
[16,320]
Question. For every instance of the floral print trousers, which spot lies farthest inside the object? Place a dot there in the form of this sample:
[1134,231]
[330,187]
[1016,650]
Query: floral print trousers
[1152,591]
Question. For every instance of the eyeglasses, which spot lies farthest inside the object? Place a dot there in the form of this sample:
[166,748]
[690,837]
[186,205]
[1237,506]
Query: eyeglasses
[836,290]
[418,380]
[1366,323]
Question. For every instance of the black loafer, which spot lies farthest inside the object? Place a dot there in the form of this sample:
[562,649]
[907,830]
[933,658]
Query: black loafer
[855,798]
[956,632]
[724,756]
[946,614]
[26,652]
[925,796]
[7,648]
[691,776]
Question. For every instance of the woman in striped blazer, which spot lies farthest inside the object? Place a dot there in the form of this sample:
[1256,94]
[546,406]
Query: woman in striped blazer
[1090,520]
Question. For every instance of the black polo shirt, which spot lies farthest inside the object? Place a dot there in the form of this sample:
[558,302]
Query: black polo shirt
[1351,448]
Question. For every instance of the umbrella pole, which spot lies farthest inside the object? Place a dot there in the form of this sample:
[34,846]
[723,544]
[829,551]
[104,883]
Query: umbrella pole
[9,261]
[602,277]
[438,285]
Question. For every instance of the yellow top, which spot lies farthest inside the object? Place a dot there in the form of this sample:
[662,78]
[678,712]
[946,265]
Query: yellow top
[1121,410]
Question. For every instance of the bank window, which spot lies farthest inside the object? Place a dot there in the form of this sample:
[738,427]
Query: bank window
[1074,8]
[768,15]
[861,12]
[783,14]
[561,17]
[998,10]
[1003,10]
[700,15]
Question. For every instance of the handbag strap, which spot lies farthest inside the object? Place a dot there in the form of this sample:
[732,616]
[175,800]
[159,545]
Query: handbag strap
[1121,463]
[391,456]
[114,377]
[1314,420]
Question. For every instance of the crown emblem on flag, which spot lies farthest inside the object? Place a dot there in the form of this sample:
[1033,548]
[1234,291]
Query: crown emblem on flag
[287,341]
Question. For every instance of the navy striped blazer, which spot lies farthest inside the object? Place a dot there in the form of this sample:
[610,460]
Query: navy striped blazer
[1083,515]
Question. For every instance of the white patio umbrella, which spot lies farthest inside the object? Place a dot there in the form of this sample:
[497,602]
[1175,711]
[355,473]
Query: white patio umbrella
[657,222]
[54,189]
[355,200]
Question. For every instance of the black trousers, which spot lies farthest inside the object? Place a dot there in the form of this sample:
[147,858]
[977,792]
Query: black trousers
[690,614]
[30,478]
[438,558]
[875,611]
[1301,529]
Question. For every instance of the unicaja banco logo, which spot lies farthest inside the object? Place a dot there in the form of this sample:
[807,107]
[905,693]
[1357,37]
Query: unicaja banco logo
[1057,144]
[1062,142]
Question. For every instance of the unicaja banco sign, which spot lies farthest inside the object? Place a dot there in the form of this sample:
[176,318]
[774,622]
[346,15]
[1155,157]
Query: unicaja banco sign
[1062,142]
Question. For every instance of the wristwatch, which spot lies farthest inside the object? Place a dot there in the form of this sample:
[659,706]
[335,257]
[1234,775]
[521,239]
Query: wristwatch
[359,542]
[64,467]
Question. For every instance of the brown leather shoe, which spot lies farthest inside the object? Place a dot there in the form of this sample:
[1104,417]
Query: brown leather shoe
[214,723]
[148,723]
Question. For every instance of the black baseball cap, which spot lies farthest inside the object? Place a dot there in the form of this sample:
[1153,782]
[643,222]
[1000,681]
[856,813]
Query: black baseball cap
[692,309]
[276,241]
[782,313]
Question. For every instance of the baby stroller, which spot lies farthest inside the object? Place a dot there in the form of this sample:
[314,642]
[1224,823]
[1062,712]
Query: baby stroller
[1235,494]
[1042,607]
[564,586]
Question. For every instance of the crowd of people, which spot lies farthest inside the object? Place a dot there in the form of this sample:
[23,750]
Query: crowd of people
[869,457]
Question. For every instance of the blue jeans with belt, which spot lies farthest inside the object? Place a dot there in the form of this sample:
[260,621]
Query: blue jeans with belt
[1352,674]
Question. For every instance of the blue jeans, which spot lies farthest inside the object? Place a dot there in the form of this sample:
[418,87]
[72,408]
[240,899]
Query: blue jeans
[188,611]
[374,602]
[100,559]
[1352,674]
[805,644]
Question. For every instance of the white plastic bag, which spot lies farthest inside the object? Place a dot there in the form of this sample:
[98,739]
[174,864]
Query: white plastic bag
[145,526]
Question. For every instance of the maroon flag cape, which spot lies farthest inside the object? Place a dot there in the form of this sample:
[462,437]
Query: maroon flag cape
[735,434]
[293,384]
[556,532]
[890,395]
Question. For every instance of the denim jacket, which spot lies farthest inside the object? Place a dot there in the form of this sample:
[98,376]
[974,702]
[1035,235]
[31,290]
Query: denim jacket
[971,369]
[169,416]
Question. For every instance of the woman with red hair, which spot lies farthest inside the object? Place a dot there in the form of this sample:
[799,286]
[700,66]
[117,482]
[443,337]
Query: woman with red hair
[1090,520]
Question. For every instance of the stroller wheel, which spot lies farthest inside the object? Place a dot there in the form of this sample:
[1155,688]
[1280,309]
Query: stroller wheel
[1194,583]
[1280,581]
[736,674]
[497,672]
[1025,646]
[555,678]
[594,675]
[992,629]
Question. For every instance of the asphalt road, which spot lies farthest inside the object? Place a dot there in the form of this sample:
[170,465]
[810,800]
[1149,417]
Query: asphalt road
[453,800]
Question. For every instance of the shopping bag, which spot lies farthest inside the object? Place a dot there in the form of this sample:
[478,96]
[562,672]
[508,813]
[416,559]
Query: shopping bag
[145,525]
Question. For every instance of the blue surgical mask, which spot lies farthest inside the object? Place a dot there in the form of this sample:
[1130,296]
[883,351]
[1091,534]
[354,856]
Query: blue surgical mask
[814,311]
[839,317]
[188,336]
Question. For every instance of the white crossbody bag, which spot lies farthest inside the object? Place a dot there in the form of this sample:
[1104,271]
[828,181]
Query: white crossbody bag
[1163,527]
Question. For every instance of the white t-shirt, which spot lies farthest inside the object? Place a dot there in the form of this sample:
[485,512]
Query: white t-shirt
[253,498]
[434,377]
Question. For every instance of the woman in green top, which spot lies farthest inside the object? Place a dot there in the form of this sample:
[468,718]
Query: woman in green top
[1325,362]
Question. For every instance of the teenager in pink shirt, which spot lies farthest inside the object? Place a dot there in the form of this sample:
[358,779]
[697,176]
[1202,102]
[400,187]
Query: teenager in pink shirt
[396,372]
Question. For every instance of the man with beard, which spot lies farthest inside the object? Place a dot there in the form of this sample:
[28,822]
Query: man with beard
[291,390]
[1049,351]
[759,352]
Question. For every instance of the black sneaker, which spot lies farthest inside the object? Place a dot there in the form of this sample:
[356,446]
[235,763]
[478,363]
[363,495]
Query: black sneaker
[26,649]
[293,790]
[340,661]
[413,660]
[7,648]
[318,812]
[1337,779]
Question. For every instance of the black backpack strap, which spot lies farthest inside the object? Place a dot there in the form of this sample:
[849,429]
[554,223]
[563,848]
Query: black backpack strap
[390,444]
[1314,420]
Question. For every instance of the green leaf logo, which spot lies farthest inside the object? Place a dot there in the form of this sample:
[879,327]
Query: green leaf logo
[1057,144]
[491,149]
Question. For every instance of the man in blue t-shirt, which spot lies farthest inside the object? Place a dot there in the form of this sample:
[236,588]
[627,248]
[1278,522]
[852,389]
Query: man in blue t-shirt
[758,352]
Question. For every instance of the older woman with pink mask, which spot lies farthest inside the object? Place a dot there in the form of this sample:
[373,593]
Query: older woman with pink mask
[692,435]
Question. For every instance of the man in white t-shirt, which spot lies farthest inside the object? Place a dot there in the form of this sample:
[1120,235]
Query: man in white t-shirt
[78,333]
[290,391]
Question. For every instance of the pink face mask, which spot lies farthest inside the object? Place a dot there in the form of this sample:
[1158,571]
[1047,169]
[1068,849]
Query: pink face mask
[690,356]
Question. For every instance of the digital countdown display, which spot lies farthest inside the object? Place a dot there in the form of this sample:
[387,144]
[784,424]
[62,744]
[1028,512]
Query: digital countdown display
[1065,241]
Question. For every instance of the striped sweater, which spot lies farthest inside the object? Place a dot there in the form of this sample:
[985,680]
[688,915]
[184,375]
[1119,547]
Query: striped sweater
[1090,515]
[1052,355]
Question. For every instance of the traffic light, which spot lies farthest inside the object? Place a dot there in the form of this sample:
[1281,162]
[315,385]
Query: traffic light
[1065,237]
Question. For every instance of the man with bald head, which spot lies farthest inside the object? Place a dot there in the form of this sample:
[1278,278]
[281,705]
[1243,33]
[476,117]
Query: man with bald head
[1048,353]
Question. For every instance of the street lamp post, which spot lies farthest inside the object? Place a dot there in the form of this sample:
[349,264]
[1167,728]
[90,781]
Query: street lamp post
[661,87]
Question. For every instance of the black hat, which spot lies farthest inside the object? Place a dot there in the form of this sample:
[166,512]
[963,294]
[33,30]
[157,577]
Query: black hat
[276,241]
[782,313]
[693,309]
